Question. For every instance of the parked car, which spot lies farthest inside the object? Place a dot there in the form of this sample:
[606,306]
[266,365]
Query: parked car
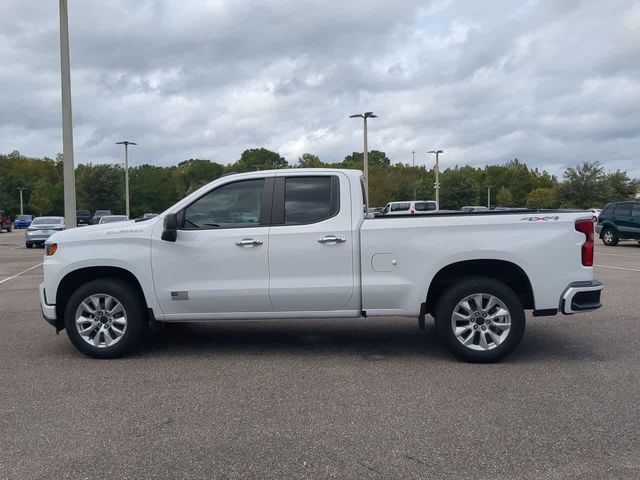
[113,219]
[5,222]
[296,243]
[474,208]
[83,217]
[98,215]
[22,221]
[413,207]
[42,228]
[595,212]
[619,221]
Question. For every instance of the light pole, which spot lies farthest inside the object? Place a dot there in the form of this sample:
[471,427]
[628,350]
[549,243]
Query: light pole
[364,116]
[67,122]
[21,202]
[413,164]
[126,144]
[489,197]
[436,185]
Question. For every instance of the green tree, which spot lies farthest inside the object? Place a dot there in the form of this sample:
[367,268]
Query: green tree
[504,197]
[542,198]
[375,158]
[259,159]
[309,160]
[584,186]
[458,188]
[619,187]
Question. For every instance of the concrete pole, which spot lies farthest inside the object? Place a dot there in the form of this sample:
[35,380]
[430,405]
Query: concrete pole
[415,182]
[366,161]
[67,122]
[126,176]
[21,205]
[489,197]
[437,181]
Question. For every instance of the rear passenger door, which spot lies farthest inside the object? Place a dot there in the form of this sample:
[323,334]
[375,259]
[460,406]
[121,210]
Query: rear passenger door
[623,221]
[635,221]
[311,245]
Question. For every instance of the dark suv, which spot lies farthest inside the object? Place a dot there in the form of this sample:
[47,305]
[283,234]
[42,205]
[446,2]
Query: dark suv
[619,221]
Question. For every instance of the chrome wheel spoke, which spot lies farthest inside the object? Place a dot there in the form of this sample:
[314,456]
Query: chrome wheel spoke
[84,330]
[108,339]
[494,337]
[116,309]
[501,312]
[493,301]
[88,307]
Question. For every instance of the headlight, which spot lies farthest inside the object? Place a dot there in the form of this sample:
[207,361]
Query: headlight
[51,248]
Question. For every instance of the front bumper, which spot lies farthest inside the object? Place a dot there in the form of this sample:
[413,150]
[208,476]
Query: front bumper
[598,228]
[581,297]
[48,311]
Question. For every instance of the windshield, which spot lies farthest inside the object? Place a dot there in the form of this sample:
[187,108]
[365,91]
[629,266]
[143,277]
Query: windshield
[114,218]
[24,217]
[47,221]
[84,213]
[102,212]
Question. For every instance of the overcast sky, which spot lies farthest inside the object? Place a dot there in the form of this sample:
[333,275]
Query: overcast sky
[550,82]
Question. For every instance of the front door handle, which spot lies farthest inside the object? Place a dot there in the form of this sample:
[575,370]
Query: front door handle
[331,239]
[248,242]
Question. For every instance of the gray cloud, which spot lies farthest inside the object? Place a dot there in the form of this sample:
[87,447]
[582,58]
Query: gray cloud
[549,82]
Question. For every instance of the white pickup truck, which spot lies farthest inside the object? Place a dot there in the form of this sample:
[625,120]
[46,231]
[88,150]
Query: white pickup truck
[298,244]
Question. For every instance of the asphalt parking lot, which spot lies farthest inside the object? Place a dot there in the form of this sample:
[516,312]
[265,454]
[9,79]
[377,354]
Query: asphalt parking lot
[370,398]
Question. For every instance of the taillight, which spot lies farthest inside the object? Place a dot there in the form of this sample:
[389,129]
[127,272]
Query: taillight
[586,226]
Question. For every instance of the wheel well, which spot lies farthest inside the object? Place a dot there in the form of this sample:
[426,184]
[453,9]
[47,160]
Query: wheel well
[503,271]
[73,280]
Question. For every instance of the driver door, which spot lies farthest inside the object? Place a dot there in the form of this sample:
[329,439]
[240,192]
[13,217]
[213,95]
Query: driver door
[218,266]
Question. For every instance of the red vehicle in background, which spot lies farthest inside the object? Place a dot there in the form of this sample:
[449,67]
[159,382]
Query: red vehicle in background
[5,222]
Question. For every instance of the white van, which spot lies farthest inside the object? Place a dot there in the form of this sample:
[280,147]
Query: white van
[413,207]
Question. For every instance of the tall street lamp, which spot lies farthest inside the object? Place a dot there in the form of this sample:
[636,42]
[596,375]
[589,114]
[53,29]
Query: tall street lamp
[489,197]
[67,122]
[21,202]
[126,144]
[436,185]
[364,116]
[413,164]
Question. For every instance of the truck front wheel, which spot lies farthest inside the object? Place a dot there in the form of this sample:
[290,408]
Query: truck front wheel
[105,318]
[480,319]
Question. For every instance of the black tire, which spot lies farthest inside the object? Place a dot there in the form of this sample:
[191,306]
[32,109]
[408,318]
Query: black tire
[9,228]
[29,245]
[456,294]
[610,237]
[134,308]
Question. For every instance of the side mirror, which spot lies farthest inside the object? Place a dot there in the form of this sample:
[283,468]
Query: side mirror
[170,232]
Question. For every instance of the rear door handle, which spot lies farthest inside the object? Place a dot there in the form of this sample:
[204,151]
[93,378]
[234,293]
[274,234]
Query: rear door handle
[331,239]
[248,242]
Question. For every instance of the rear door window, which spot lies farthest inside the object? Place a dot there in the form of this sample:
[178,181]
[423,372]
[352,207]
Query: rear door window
[425,206]
[635,213]
[310,199]
[623,210]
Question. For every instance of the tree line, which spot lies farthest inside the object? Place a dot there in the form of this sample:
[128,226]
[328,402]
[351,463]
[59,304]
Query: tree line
[154,188]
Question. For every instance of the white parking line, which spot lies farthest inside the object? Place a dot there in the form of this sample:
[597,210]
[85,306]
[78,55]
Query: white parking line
[18,274]
[618,268]
[15,248]
[614,255]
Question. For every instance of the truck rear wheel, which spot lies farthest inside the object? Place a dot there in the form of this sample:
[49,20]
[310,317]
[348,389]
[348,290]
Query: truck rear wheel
[480,319]
[105,318]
